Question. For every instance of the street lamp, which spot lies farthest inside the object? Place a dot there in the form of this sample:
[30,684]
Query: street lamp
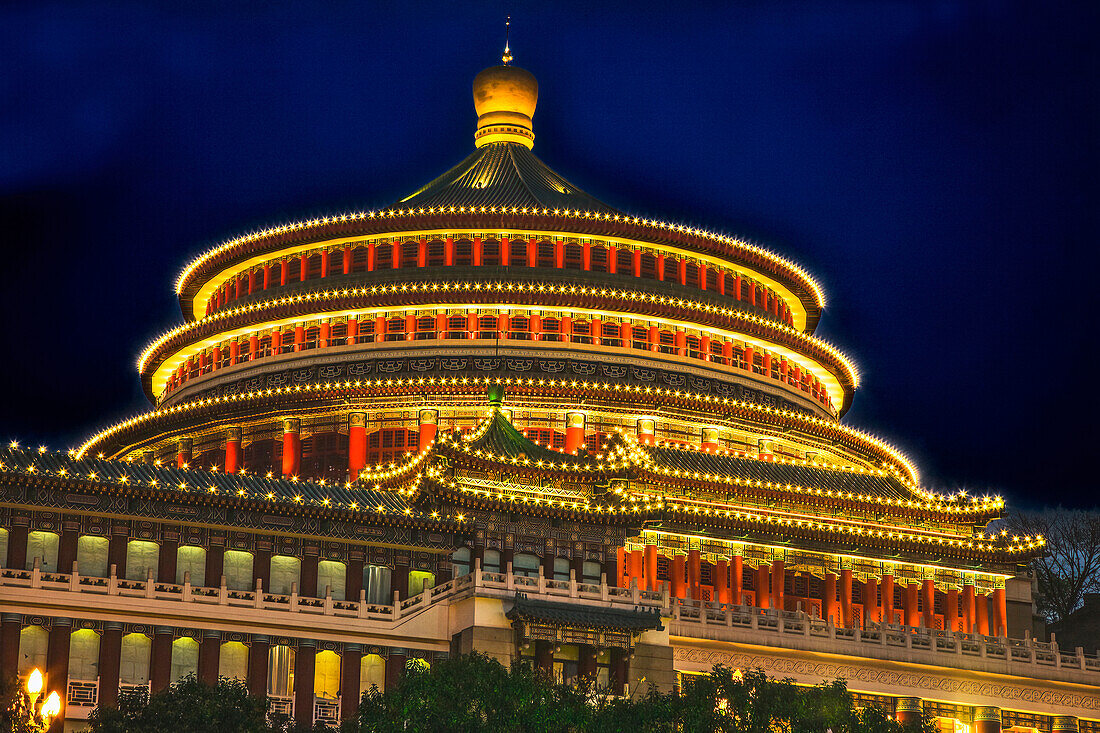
[42,712]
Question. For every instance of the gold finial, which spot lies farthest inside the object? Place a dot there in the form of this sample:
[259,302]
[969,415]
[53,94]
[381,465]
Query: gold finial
[507,57]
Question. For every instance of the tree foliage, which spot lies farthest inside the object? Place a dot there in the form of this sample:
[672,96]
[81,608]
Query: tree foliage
[188,705]
[16,716]
[1071,566]
[476,693]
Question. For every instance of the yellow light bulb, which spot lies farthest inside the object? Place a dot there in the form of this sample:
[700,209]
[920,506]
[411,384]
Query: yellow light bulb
[34,682]
[52,706]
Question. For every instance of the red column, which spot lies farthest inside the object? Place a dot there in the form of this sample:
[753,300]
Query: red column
[284,271]
[57,664]
[660,267]
[586,256]
[908,710]
[636,568]
[763,587]
[1000,612]
[750,355]
[970,619]
[234,352]
[646,432]
[347,259]
[626,335]
[276,342]
[532,252]
[380,327]
[324,334]
[694,574]
[951,610]
[987,719]
[232,449]
[574,431]
[982,603]
[683,271]
[303,268]
[677,567]
[299,337]
[828,601]
[183,452]
[612,259]
[258,653]
[681,343]
[846,596]
[292,446]
[324,263]
[888,599]
[160,658]
[702,276]
[620,568]
[216,358]
[534,326]
[778,579]
[928,601]
[422,252]
[429,425]
[752,292]
[912,616]
[704,347]
[651,567]
[871,610]
[209,657]
[722,581]
[653,338]
[721,282]
[267,275]
[565,327]
[736,579]
[559,254]
[353,330]
[371,247]
[10,626]
[505,251]
[110,656]
[597,331]
[357,444]
[636,261]
[395,254]
[251,281]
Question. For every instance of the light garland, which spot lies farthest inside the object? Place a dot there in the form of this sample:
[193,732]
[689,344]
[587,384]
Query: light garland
[736,244]
[809,342]
[610,388]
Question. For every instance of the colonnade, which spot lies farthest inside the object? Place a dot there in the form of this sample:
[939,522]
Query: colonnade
[640,334]
[532,252]
[879,599]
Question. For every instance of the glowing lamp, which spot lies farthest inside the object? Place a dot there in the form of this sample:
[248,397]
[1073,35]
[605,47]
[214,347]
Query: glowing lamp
[52,706]
[34,682]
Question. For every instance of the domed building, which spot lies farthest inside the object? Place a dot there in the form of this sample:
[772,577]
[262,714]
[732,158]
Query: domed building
[501,415]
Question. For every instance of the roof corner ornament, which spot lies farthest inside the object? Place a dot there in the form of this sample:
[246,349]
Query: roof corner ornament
[507,57]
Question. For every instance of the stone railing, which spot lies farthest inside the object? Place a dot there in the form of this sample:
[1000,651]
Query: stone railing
[1025,657]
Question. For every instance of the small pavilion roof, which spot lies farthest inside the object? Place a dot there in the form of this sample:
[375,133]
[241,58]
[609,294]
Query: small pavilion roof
[583,616]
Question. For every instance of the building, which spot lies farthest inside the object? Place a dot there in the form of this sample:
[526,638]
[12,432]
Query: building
[503,416]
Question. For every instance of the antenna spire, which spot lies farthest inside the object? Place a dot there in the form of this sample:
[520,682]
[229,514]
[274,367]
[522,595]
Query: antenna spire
[507,57]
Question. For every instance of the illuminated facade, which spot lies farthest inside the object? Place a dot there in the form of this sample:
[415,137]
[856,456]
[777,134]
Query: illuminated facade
[503,416]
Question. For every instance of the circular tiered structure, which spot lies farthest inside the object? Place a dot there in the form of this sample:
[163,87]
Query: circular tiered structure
[321,347]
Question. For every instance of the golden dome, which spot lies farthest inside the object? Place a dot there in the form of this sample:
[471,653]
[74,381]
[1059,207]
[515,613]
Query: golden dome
[504,99]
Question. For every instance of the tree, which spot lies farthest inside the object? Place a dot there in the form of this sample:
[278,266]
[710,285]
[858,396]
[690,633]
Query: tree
[188,705]
[1071,566]
[16,716]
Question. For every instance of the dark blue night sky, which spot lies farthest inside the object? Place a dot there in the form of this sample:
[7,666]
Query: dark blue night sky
[932,164]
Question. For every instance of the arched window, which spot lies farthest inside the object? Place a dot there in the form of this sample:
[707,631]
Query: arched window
[460,562]
[133,666]
[526,565]
[491,561]
[332,575]
[185,658]
[285,573]
[326,675]
[280,671]
[376,582]
[237,568]
[84,655]
[191,559]
[372,673]
[33,642]
[419,580]
[91,556]
[42,545]
[561,568]
[233,661]
[141,558]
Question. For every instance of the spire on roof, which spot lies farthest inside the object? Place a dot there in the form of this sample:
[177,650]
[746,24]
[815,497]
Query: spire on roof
[507,57]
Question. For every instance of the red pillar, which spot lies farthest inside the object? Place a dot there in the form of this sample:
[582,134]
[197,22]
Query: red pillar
[612,259]
[574,432]
[532,252]
[888,599]
[928,601]
[110,657]
[160,658]
[324,263]
[429,425]
[651,567]
[351,659]
[284,271]
[683,271]
[982,603]
[292,446]
[828,602]
[258,653]
[736,579]
[232,449]
[871,610]
[347,259]
[970,620]
[846,597]
[1000,612]
[559,254]
[637,572]
[908,710]
[10,626]
[299,337]
[422,252]
[267,275]
[395,253]
[763,587]
[912,616]
[353,330]
[448,251]
[646,431]
[370,256]
[660,267]
[324,334]
[636,261]
[626,335]
[505,251]
[357,444]
[709,443]
[721,581]
[778,579]
[694,574]
[209,657]
[951,610]
[305,665]
[677,567]
[57,664]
